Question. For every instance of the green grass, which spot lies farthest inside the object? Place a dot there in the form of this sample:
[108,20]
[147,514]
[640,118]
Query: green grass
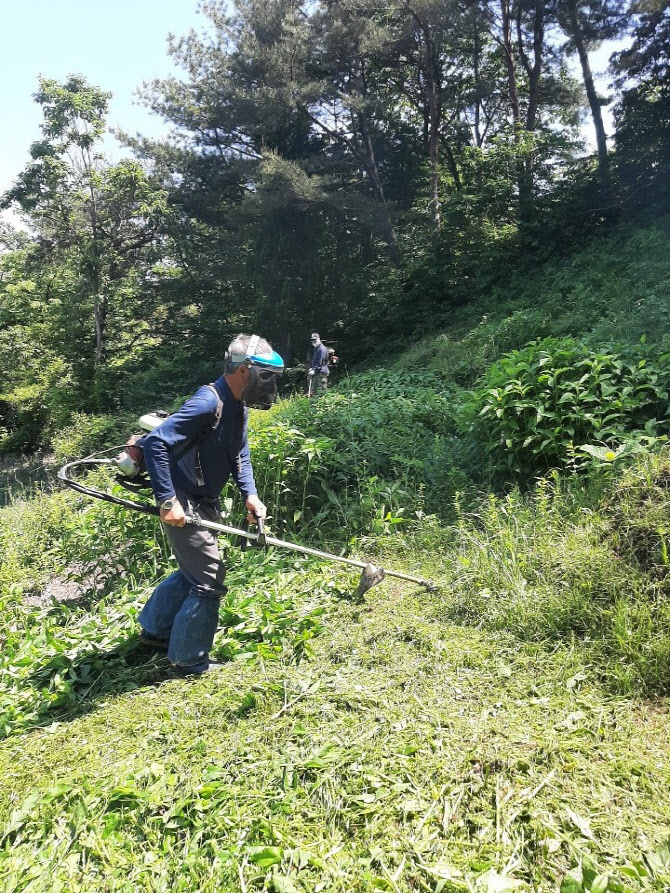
[613,291]
[491,735]
[409,753]
[508,731]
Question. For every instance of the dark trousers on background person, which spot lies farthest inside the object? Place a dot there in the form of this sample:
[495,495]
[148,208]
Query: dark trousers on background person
[183,609]
[318,384]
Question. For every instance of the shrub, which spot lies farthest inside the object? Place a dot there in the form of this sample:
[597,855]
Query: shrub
[536,405]
[363,458]
[87,433]
[23,416]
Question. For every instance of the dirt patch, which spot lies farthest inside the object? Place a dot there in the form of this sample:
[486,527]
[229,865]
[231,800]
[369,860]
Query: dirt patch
[64,589]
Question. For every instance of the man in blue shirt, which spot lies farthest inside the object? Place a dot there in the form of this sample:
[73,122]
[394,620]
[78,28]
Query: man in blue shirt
[190,457]
[318,371]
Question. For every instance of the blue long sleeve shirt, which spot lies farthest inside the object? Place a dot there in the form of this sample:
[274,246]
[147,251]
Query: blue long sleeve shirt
[223,451]
[320,358]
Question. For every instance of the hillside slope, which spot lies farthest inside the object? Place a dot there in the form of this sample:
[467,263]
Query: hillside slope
[508,731]
[408,753]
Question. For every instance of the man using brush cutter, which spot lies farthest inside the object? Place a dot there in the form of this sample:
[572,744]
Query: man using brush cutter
[189,458]
[317,374]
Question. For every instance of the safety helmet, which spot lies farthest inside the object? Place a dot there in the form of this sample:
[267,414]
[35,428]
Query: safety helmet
[271,362]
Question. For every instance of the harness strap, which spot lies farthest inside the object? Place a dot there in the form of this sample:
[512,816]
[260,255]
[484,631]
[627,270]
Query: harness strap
[217,418]
[196,441]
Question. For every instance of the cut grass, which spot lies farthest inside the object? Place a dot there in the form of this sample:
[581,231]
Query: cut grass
[470,739]
[408,754]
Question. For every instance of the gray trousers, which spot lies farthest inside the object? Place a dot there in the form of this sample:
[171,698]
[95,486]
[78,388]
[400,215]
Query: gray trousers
[197,550]
[184,608]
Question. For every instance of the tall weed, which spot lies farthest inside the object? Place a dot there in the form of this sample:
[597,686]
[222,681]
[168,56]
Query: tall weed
[537,405]
[365,457]
[545,567]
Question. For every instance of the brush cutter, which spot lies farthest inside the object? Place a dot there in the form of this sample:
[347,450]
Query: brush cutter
[370,576]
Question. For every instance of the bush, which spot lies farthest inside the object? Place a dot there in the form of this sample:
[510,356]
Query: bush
[364,458]
[88,433]
[23,417]
[538,404]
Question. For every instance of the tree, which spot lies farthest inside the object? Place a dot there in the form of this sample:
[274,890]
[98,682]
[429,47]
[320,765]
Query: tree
[586,23]
[643,113]
[98,220]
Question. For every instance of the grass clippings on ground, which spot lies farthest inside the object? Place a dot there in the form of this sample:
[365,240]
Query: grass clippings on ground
[406,754]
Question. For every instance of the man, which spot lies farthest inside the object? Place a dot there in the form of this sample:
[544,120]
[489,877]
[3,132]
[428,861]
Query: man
[189,457]
[317,374]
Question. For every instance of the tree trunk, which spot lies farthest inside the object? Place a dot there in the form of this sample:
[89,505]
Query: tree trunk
[285,347]
[509,64]
[534,72]
[479,138]
[435,107]
[592,96]
[100,307]
[534,69]
[429,66]
[369,160]
[453,165]
[523,184]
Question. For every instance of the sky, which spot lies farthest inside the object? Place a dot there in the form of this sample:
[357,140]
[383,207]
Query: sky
[116,45]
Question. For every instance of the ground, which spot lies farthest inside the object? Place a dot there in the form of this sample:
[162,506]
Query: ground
[408,753]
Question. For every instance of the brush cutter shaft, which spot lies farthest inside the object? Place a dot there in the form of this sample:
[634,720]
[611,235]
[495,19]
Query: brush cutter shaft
[261,537]
[306,550]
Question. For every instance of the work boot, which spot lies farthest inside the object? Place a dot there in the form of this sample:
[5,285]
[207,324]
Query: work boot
[152,641]
[188,672]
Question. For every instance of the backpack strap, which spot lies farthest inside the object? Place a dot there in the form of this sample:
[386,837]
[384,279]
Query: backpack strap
[215,421]
[196,441]
[219,406]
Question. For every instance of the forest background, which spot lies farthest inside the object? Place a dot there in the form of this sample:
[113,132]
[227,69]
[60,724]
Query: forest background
[363,169]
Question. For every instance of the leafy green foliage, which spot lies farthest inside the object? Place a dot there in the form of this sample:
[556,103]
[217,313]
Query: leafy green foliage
[87,433]
[344,743]
[97,225]
[61,655]
[536,405]
[31,540]
[364,458]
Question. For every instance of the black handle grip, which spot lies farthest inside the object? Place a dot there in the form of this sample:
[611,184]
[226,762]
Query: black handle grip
[260,538]
[244,542]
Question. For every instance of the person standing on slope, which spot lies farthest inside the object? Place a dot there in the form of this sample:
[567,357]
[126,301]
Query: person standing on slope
[317,374]
[189,458]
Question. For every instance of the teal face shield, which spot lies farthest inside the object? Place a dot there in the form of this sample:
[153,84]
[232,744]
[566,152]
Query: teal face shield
[261,392]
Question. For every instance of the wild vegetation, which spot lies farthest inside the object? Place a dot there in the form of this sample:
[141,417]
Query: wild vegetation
[365,169]
[507,732]
[408,178]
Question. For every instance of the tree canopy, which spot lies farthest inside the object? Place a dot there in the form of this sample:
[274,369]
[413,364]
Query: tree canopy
[351,166]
